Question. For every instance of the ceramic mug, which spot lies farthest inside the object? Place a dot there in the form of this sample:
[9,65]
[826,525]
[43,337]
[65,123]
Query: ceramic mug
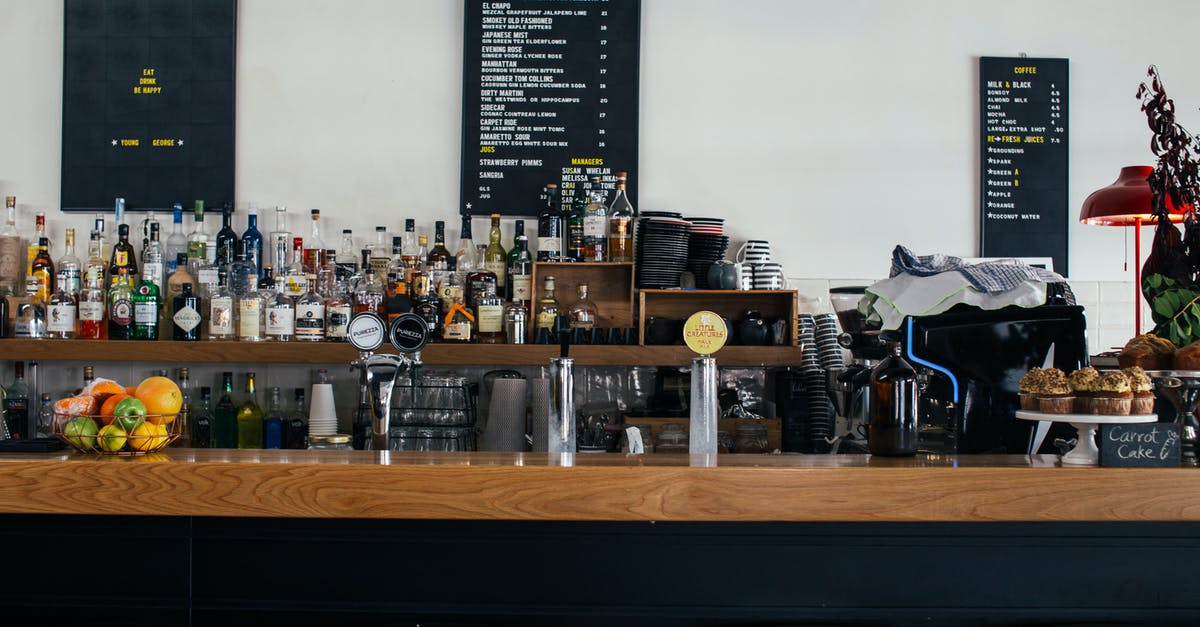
[754,251]
[768,276]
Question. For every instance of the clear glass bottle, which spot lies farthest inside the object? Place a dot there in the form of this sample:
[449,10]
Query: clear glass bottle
[45,417]
[197,240]
[339,307]
[92,297]
[186,320]
[495,260]
[30,317]
[281,241]
[310,311]
[892,423]
[620,222]
[177,240]
[347,256]
[61,315]
[250,418]
[398,266]
[272,435]
[185,409]
[153,264]
[120,306]
[295,424]
[16,404]
[70,270]
[520,268]
[595,225]
[464,257]
[409,237]
[368,296]
[243,277]
[222,312]
[145,310]
[202,420]
[253,239]
[180,276]
[280,318]
[12,266]
[314,246]
[550,226]
[582,313]
[225,422]
[489,318]
[295,278]
[250,310]
[547,306]
[380,252]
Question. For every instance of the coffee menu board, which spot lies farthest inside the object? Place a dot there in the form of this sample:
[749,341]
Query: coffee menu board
[148,103]
[1023,158]
[550,95]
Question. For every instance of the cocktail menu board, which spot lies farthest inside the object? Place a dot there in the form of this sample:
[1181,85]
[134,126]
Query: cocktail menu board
[550,95]
[148,103]
[1023,158]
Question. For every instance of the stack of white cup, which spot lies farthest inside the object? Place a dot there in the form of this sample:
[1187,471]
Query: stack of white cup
[322,415]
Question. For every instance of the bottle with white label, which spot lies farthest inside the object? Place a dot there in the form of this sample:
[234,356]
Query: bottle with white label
[595,225]
[250,310]
[61,314]
[310,314]
[186,319]
[222,316]
[280,318]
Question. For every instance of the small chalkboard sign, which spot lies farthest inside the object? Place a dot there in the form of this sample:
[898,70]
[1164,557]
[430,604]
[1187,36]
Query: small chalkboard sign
[1146,445]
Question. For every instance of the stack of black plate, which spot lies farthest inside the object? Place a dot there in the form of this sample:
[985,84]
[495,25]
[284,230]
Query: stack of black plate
[706,244]
[662,249]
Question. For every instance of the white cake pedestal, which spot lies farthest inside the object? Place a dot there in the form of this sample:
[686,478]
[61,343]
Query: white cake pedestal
[1085,453]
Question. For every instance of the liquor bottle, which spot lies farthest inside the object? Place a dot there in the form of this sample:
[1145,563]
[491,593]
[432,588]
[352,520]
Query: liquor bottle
[314,247]
[242,275]
[197,241]
[250,418]
[346,254]
[222,312]
[225,417]
[309,325]
[339,307]
[280,318]
[12,266]
[16,404]
[202,420]
[409,237]
[39,283]
[892,427]
[574,238]
[295,424]
[45,417]
[368,295]
[226,238]
[31,249]
[145,309]
[595,225]
[185,317]
[185,417]
[250,310]
[30,317]
[150,222]
[489,318]
[61,315]
[398,266]
[464,257]
[253,239]
[380,252]
[400,303]
[281,241]
[118,220]
[516,321]
[89,375]
[550,227]
[582,313]
[272,435]
[417,261]
[123,255]
[70,271]
[153,264]
[178,277]
[439,257]
[176,241]
[547,306]
[92,296]
[295,279]
[120,306]
[458,323]
[428,305]
[620,223]
[520,268]
[495,259]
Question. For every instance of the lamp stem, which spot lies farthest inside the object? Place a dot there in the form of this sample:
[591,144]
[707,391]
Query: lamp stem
[1137,276]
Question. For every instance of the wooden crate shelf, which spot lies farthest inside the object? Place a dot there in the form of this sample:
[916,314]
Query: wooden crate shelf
[731,304]
[610,286]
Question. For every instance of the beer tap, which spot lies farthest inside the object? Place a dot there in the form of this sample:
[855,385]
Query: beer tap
[408,335]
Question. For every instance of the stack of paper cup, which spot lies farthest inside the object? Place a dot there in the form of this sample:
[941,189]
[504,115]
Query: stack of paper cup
[322,415]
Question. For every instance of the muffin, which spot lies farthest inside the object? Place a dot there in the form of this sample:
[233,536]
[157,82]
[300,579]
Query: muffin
[1083,384]
[1113,395]
[1188,357]
[1054,393]
[1027,388]
[1143,395]
[1147,351]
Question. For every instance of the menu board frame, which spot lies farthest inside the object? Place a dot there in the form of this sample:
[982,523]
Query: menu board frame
[514,142]
[149,103]
[1023,158]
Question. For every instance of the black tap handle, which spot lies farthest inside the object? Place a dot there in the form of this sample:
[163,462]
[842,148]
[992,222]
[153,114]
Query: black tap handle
[564,336]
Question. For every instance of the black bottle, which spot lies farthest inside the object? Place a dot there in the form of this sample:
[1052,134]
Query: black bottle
[892,428]
[185,315]
[202,421]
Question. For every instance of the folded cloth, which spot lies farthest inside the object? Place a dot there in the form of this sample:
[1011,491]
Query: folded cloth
[990,276]
[890,300]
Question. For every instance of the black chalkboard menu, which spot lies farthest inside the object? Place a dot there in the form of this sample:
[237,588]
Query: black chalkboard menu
[1023,158]
[148,103]
[550,95]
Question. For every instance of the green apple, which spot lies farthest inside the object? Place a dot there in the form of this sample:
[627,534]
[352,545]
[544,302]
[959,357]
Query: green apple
[112,438]
[81,432]
[130,413]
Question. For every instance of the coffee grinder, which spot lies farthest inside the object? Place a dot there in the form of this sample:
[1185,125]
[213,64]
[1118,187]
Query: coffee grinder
[850,387]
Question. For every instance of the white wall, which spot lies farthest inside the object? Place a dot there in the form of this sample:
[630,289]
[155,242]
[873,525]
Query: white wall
[835,129]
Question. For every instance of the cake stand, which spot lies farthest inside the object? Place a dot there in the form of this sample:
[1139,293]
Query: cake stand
[1085,453]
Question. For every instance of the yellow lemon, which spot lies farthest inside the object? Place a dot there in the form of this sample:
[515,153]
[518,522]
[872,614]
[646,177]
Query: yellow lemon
[148,437]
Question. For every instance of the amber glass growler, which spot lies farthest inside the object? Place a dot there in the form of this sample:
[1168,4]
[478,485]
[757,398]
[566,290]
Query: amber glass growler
[892,427]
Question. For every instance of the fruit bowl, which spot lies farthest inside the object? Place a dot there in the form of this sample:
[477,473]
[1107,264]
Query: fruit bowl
[117,435]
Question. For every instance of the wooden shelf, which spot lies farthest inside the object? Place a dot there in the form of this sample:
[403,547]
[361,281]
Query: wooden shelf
[334,352]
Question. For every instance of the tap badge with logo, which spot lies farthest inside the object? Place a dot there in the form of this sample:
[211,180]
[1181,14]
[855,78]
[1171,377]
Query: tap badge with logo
[705,332]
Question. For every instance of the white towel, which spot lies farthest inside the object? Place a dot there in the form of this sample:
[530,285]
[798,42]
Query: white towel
[890,300]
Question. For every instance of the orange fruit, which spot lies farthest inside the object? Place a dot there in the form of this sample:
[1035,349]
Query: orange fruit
[129,390]
[161,397]
[106,410]
[103,387]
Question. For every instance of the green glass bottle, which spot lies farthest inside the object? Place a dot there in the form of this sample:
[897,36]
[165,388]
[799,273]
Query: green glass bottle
[224,424]
[145,310]
[250,419]
[495,259]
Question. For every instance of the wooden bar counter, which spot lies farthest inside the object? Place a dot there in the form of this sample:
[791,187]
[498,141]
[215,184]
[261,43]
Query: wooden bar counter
[606,487]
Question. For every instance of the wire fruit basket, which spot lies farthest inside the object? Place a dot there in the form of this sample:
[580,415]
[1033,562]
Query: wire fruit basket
[117,435]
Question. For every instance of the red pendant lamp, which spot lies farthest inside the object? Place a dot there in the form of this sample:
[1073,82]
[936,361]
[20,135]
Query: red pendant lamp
[1127,203]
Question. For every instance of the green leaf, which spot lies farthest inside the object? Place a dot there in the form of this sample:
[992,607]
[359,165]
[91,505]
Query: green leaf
[1163,306]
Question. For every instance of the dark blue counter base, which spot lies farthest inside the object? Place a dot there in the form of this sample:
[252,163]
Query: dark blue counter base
[74,570]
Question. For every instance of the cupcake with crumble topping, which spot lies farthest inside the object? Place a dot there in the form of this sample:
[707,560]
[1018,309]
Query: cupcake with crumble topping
[1027,388]
[1113,396]
[1083,384]
[1143,390]
[1054,392]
